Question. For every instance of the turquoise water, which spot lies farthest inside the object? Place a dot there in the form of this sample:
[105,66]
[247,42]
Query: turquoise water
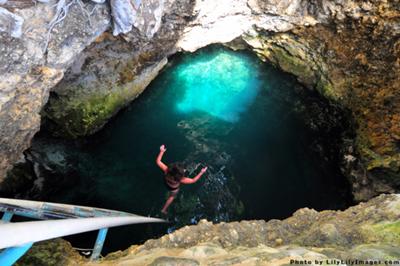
[222,85]
[271,148]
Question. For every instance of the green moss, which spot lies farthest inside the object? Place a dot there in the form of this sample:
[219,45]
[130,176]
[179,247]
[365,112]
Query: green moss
[52,252]
[327,89]
[97,110]
[387,232]
[387,166]
[81,114]
[375,252]
[391,162]
[81,111]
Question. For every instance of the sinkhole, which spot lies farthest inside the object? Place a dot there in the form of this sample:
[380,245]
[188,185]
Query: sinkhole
[271,147]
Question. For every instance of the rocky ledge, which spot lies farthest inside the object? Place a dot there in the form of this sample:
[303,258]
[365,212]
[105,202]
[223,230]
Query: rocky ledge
[368,231]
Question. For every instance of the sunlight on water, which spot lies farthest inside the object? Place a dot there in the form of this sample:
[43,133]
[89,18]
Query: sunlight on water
[222,84]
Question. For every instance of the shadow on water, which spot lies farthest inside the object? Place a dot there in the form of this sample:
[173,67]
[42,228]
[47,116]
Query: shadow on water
[271,146]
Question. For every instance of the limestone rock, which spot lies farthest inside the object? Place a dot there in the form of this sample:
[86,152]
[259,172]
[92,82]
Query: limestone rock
[204,251]
[10,23]
[124,16]
[150,16]
[170,261]
[376,252]
[27,73]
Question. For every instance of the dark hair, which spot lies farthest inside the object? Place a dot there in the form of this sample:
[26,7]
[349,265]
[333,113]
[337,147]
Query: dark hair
[176,171]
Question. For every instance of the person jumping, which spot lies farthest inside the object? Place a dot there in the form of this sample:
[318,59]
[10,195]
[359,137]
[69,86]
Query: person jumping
[174,176]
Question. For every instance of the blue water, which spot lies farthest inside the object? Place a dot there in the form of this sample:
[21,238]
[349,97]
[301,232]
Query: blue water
[268,145]
[222,85]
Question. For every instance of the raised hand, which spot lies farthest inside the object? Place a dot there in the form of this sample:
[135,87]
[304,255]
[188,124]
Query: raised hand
[203,170]
[162,148]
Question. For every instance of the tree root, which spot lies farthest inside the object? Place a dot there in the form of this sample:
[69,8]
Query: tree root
[62,9]
[124,14]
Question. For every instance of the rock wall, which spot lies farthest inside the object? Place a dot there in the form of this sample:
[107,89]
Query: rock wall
[347,50]
[29,69]
[368,231]
[27,72]
[352,57]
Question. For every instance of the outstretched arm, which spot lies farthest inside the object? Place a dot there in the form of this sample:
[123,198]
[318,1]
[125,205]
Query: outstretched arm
[160,164]
[187,180]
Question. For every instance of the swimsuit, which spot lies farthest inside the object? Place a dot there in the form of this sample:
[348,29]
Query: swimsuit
[172,185]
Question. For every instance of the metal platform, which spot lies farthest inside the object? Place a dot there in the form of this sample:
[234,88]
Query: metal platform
[57,220]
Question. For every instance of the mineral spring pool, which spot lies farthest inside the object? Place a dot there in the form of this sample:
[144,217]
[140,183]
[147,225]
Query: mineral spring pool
[244,119]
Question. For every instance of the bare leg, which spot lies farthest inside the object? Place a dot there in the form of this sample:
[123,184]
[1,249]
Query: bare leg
[167,203]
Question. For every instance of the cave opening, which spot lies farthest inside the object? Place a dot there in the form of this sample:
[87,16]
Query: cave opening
[271,145]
